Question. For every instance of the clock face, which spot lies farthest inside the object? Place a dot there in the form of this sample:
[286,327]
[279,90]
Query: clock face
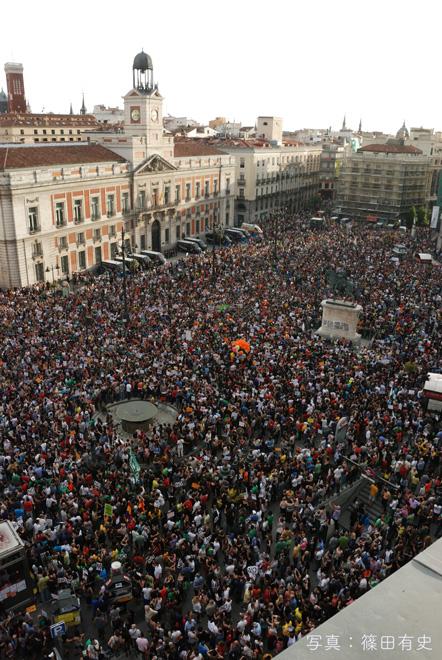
[135,115]
[154,115]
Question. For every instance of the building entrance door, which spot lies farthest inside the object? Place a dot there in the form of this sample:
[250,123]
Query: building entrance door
[156,236]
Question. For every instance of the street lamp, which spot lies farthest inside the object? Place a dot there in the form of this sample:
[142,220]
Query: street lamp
[217,234]
[123,252]
[53,269]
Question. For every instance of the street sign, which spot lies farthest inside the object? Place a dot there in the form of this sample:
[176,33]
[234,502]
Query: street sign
[58,629]
[108,510]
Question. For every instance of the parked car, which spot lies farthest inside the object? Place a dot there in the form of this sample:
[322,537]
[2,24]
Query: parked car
[198,241]
[112,266]
[223,240]
[156,257]
[236,235]
[188,247]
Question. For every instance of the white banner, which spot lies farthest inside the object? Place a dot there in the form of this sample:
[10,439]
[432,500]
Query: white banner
[434,217]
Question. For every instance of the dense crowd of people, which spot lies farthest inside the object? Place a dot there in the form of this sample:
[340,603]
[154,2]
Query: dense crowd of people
[226,533]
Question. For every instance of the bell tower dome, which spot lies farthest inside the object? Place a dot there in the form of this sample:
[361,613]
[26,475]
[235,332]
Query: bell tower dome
[143,109]
[142,72]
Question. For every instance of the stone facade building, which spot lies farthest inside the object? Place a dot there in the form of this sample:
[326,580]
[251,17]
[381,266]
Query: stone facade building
[383,181]
[63,205]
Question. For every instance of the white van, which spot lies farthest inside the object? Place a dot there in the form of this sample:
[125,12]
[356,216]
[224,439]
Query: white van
[253,229]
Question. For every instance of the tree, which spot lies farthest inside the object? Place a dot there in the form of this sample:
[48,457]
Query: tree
[410,217]
[422,216]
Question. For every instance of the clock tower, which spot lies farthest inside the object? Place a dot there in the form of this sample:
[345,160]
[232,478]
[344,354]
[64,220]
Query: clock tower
[143,109]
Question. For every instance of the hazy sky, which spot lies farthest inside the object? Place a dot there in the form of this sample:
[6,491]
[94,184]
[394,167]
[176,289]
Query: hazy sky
[308,61]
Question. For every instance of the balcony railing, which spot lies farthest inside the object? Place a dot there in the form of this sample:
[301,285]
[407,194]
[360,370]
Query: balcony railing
[63,247]
[110,213]
[36,254]
[95,216]
[78,220]
[97,239]
[34,230]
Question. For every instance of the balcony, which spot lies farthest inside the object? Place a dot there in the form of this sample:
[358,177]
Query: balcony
[97,239]
[207,194]
[78,220]
[215,193]
[95,216]
[63,247]
[37,253]
[60,223]
[34,230]
[81,242]
[110,213]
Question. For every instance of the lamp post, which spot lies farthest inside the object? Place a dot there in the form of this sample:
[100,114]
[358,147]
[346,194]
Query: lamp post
[123,251]
[217,235]
[53,269]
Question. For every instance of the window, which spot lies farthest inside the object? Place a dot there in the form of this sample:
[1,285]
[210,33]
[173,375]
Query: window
[97,234]
[95,208]
[33,219]
[110,208]
[241,193]
[177,194]
[52,132]
[113,250]
[78,210]
[187,228]
[227,217]
[141,199]
[166,235]
[22,131]
[37,250]
[167,195]
[98,255]
[215,187]
[142,242]
[70,132]
[155,197]
[112,231]
[63,242]
[61,131]
[39,272]
[35,131]
[197,227]
[197,189]
[242,162]
[227,186]
[206,188]
[82,260]
[178,232]
[187,192]
[59,214]
[125,202]
[44,131]
[64,261]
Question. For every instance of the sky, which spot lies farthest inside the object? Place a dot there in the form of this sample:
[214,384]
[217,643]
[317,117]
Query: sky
[307,61]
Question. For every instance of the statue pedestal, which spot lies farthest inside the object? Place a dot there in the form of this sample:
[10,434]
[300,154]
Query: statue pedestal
[340,319]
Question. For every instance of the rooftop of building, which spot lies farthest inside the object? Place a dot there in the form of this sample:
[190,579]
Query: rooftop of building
[22,156]
[10,119]
[407,603]
[186,147]
[391,147]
